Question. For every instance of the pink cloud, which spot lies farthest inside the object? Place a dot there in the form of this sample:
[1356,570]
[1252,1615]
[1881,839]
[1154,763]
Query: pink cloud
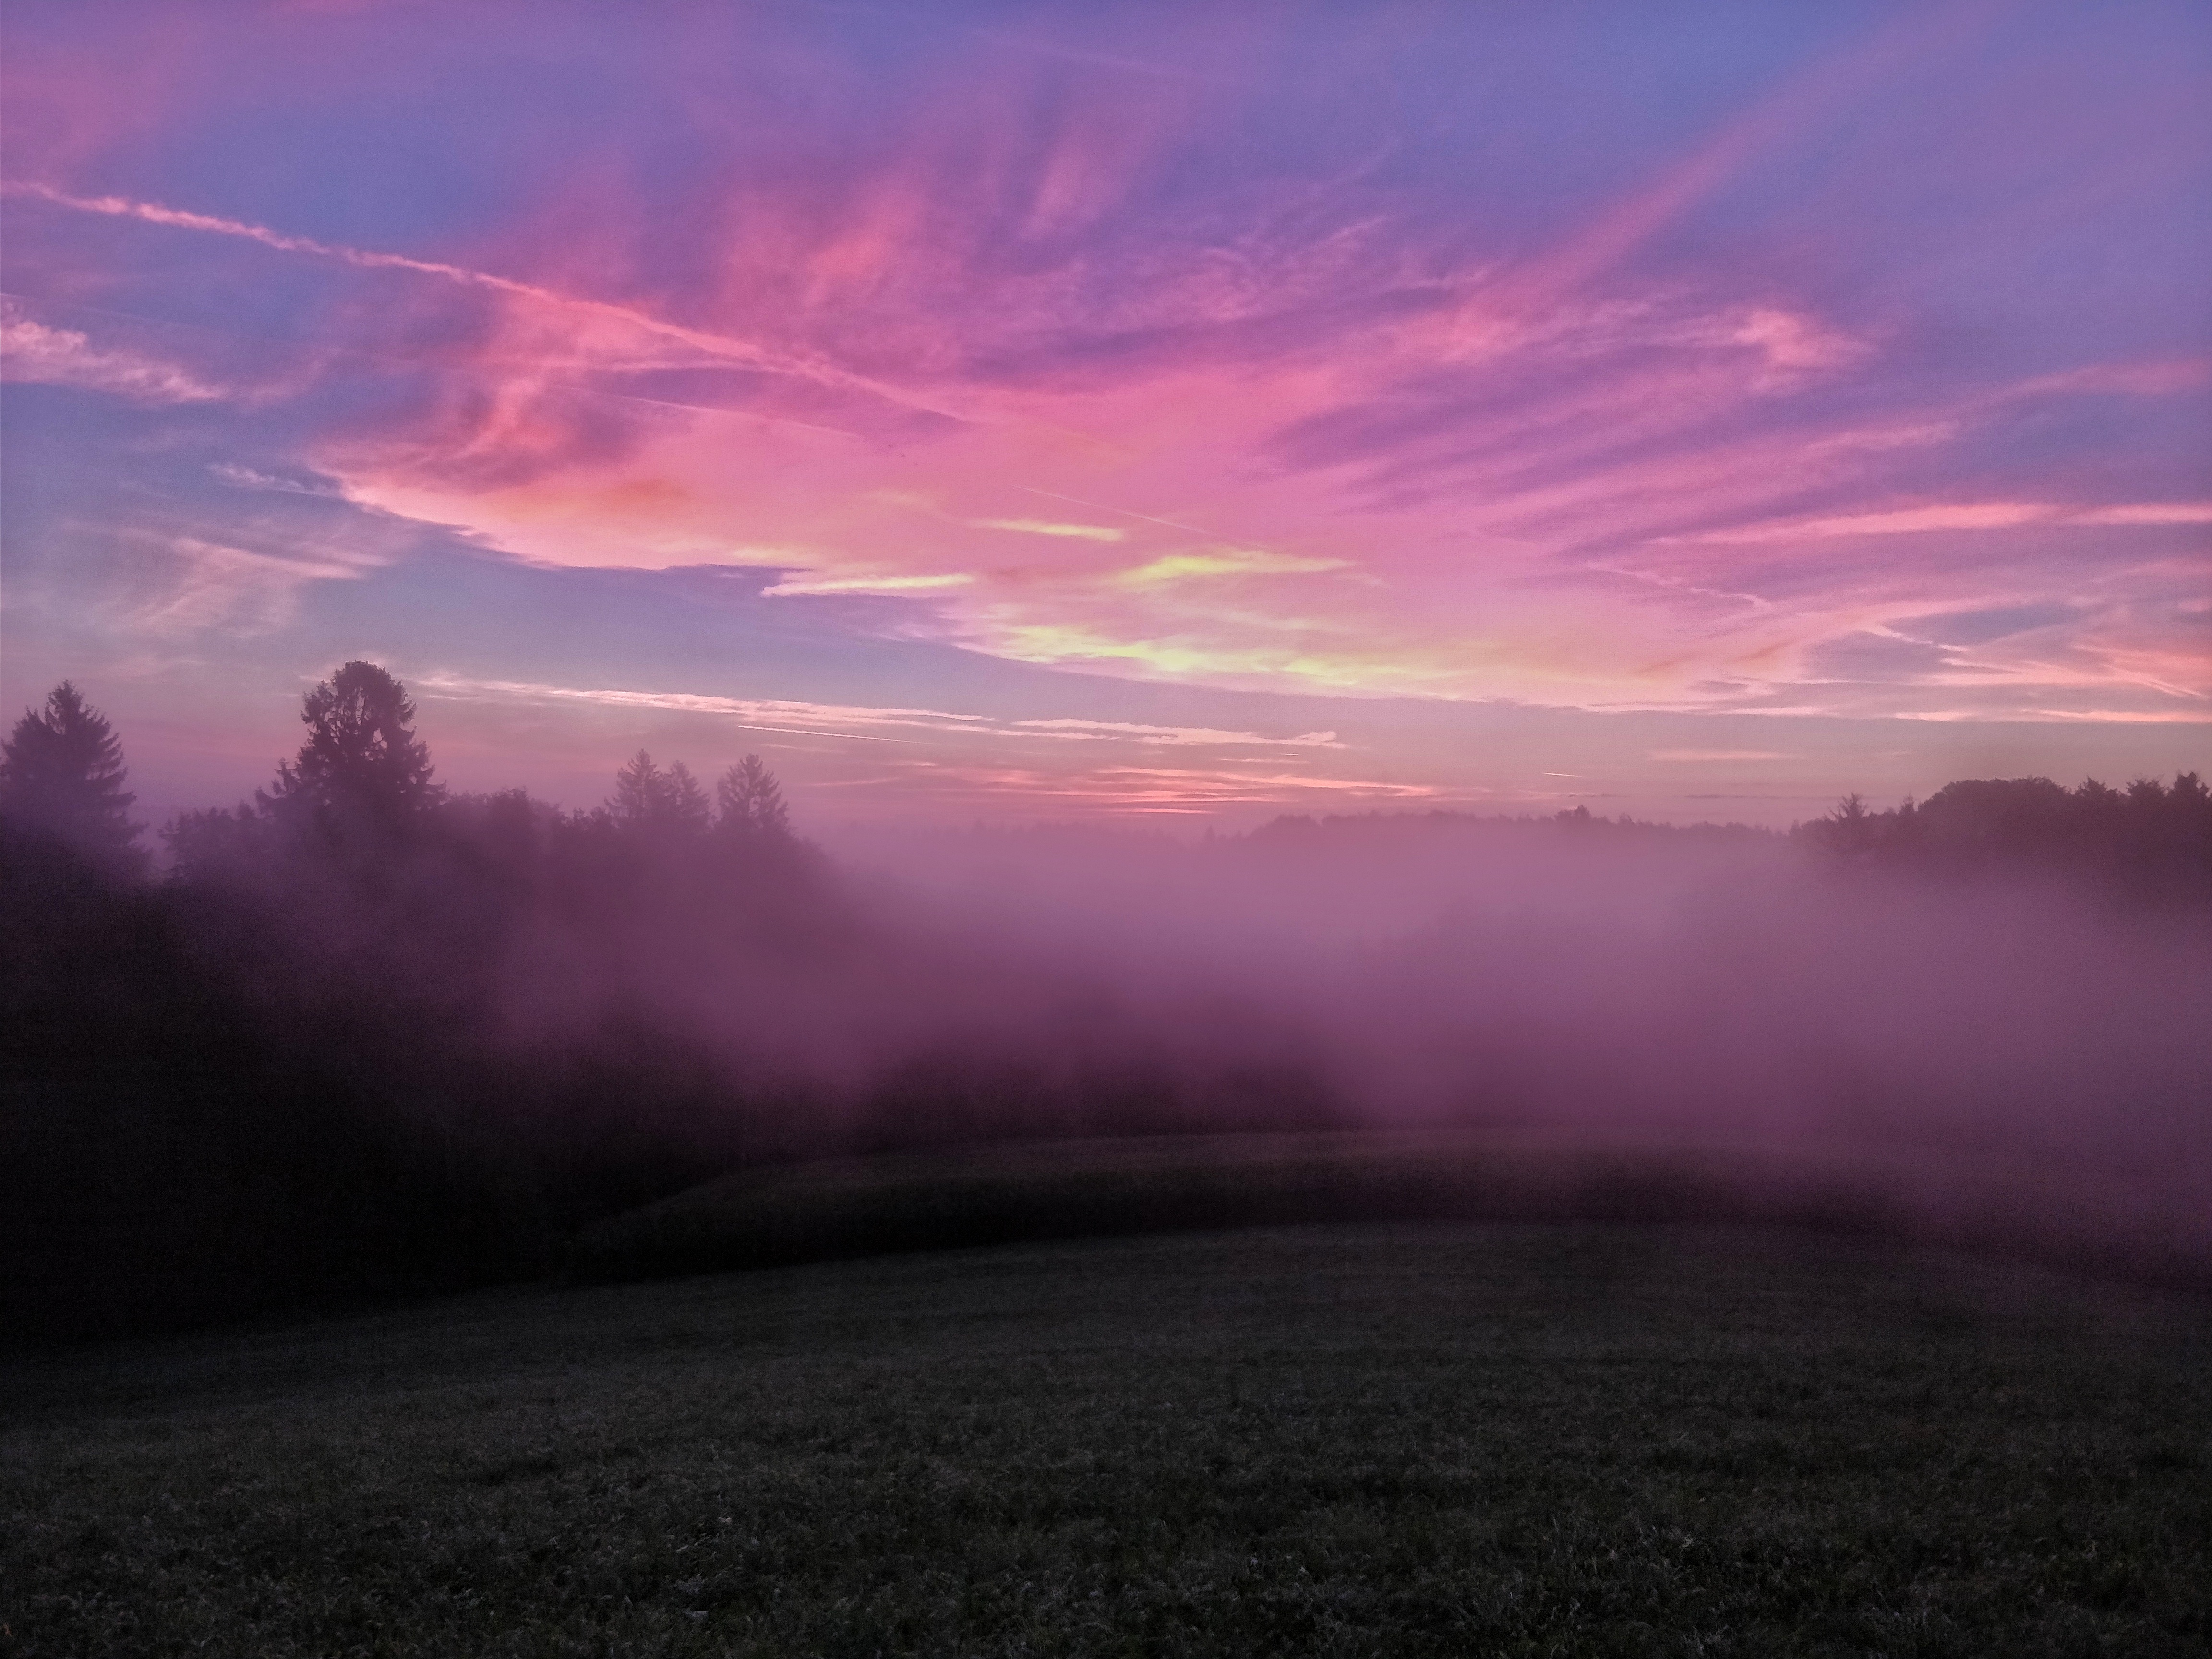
[1314,444]
[33,351]
[1703,755]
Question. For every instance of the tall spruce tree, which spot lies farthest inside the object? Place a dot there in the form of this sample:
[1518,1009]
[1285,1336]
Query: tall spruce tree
[361,767]
[62,775]
[659,800]
[753,802]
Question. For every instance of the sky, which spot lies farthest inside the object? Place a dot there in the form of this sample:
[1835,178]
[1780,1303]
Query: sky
[1183,414]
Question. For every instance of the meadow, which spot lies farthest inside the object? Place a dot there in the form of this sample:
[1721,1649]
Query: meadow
[1400,1438]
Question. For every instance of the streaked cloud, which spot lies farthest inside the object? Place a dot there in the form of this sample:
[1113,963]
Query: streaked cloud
[883,725]
[1088,532]
[202,587]
[2150,512]
[1145,791]
[1113,730]
[1227,561]
[792,586]
[2127,716]
[246,478]
[569,309]
[1972,515]
[32,351]
[1700,756]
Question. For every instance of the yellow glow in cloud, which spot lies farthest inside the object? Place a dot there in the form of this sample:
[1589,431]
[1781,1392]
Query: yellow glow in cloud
[866,584]
[1227,561]
[1090,532]
[1227,659]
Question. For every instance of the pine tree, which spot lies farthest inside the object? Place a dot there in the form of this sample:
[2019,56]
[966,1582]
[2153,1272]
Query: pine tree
[752,801]
[684,803]
[61,773]
[361,765]
[638,789]
[662,801]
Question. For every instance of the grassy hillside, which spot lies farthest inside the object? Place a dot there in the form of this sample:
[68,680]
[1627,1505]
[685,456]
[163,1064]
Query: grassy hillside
[777,1216]
[1346,1440]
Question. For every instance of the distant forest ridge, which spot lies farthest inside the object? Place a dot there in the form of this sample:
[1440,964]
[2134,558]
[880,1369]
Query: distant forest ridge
[2150,833]
[364,776]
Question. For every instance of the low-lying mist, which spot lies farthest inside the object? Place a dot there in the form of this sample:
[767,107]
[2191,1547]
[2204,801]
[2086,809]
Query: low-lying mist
[1710,986]
[360,1034]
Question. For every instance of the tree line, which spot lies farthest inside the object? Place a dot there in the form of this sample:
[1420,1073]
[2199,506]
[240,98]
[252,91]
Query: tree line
[2151,838]
[362,1035]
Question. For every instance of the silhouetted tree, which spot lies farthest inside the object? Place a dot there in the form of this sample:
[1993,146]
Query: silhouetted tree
[659,799]
[1851,831]
[637,791]
[2100,799]
[752,801]
[687,807]
[62,775]
[361,767]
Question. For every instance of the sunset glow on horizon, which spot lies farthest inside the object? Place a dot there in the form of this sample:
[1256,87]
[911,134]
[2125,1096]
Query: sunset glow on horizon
[1019,412]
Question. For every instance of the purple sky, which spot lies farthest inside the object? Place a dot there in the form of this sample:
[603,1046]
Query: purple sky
[1034,411]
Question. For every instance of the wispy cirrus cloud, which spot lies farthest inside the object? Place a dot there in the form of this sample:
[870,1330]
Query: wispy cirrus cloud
[1966,515]
[33,351]
[1088,532]
[659,496]
[194,586]
[1145,791]
[1695,757]
[866,584]
[247,478]
[628,324]
[1115,730]
[1235,378]
[1227,561]
[874,725]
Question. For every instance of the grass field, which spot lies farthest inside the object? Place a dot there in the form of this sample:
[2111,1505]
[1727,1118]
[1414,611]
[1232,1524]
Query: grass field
[1394,1439]
[2136,1223]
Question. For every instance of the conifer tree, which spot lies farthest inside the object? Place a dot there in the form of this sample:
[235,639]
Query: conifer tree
[659,800]
[361,765]
[684,802]
[752,801]
[61,773]
[638,789]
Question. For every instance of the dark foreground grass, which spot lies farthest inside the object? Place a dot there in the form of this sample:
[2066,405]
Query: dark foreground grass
[1386,1440]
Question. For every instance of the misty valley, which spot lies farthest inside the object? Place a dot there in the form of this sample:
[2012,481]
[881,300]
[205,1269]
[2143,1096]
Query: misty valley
[359,1037]
[1011,829]
[1370,1205]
